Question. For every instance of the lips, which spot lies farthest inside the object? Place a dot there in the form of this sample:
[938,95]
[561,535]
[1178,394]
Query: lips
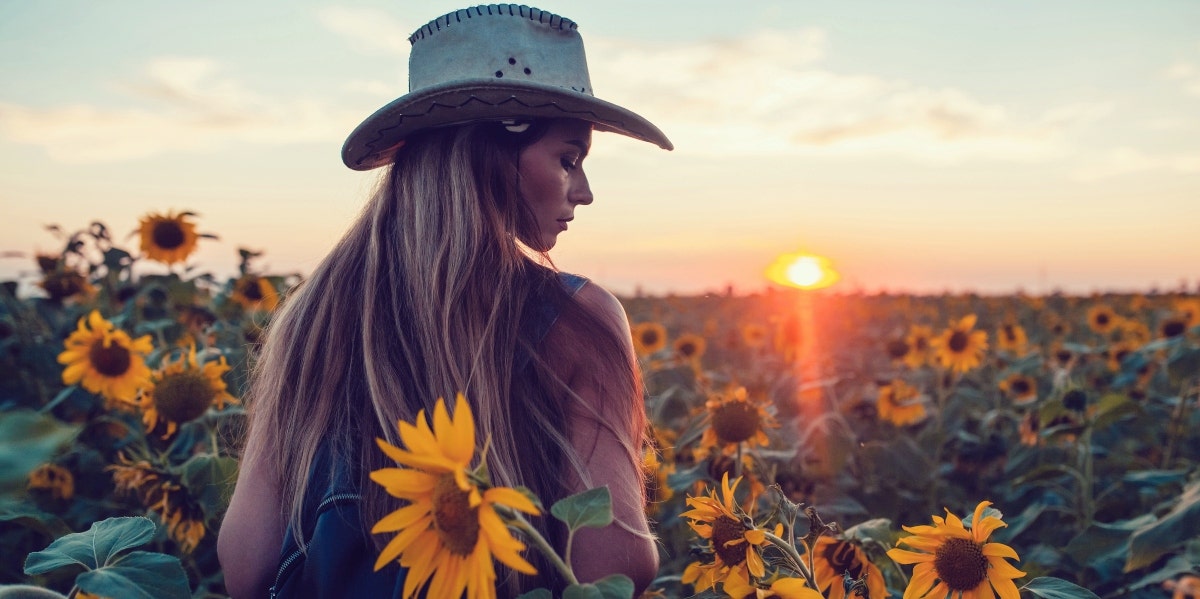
[562,222]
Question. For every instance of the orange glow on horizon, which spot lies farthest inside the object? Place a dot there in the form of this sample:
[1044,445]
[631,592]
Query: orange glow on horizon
[802,271]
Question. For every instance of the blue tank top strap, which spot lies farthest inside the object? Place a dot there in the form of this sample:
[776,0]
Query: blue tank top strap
[541,316]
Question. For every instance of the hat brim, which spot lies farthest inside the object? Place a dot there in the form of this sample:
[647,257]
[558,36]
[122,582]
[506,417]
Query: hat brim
[374,142]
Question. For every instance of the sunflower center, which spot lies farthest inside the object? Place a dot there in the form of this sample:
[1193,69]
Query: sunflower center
[958,341]
[841,556]
[649,337]
[457,523]
[1101,319]
[726,529]
[735,421]
[111,359]
[897,348]
[183,397]
[1173,328]
[1020,386]
[252,290]
[921,343]
[687,349]
[167,235]
[960,564]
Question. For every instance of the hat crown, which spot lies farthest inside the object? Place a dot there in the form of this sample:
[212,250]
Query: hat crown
[506,43]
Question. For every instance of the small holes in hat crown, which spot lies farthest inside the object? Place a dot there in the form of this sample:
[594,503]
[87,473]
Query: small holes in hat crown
[512,60]
[499,73]
[527,71]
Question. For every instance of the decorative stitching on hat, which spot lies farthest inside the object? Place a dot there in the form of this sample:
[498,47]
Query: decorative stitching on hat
[381,133]
[512,10]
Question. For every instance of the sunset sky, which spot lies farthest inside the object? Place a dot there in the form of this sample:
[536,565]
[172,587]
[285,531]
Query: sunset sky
[922,146]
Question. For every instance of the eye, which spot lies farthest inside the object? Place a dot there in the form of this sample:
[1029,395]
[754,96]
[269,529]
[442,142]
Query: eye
[570,162]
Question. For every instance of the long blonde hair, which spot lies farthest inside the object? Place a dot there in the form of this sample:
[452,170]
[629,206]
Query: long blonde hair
[424,297]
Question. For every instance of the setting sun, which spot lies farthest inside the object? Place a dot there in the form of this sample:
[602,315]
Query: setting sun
[802,271]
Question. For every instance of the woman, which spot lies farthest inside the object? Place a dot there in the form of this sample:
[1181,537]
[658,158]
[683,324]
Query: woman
[442,286]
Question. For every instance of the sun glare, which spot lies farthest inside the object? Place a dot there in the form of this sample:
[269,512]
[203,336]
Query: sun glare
[802,271]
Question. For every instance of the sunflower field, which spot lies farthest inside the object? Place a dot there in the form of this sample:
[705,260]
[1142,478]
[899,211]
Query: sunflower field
[804,444]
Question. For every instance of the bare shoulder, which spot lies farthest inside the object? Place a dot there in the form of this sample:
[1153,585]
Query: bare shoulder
[605,306]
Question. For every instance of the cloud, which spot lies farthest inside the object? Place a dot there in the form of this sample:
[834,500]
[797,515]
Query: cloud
[770,93]
[1187,74]
[369,31]
[181,104]
[1122,161]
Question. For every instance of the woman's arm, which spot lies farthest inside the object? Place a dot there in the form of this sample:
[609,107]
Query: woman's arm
[601,430]
[252,531]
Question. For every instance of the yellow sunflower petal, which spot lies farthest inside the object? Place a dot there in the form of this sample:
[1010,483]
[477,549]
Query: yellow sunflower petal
[902,556]
[985,527]
[1002,569]
[401,518]
[512,498]
[794,588]
[1006,589]
[754,562]
[1000,550]
[756,536]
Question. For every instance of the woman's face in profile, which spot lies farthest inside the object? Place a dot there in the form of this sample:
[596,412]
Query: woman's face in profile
[552,181]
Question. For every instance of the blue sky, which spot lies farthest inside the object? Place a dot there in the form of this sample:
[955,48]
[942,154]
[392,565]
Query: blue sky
[922,145]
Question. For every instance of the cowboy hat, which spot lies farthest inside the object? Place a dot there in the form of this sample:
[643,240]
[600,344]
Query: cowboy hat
[494,62]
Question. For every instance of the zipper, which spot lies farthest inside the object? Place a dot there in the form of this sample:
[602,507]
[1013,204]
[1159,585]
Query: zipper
[295,554]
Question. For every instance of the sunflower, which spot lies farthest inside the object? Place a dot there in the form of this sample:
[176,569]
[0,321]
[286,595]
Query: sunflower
[449,530]
[689,348]
[180,514]
[649,338]
[953,560]
[897,349]
[754,335]
[1189,310]
[1173,326]
[55,480]
[105,360]
[1117,352]
[1022,389]
[782,588]
[139,478]
[735,418]
[1102,318]
[1012,338]
[168,238]
[183,390]
[900,404]
[919,339]
[960,348]
[253,292]
[833,558]
[734,544]
[161,493]
[65,284]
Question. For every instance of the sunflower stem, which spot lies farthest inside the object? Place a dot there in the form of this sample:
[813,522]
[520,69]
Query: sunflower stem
[792,556]
[517,521]
[1177,426]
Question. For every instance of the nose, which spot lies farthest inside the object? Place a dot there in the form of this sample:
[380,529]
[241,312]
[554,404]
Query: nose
[581,192]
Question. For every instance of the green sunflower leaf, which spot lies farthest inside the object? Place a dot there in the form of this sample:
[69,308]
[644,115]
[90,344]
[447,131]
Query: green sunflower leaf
[210,480]
[614,586]
[591,508]
[139,575]
[582,591]
[1057,588]
[28,439]
[93,548]
[1181,524]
